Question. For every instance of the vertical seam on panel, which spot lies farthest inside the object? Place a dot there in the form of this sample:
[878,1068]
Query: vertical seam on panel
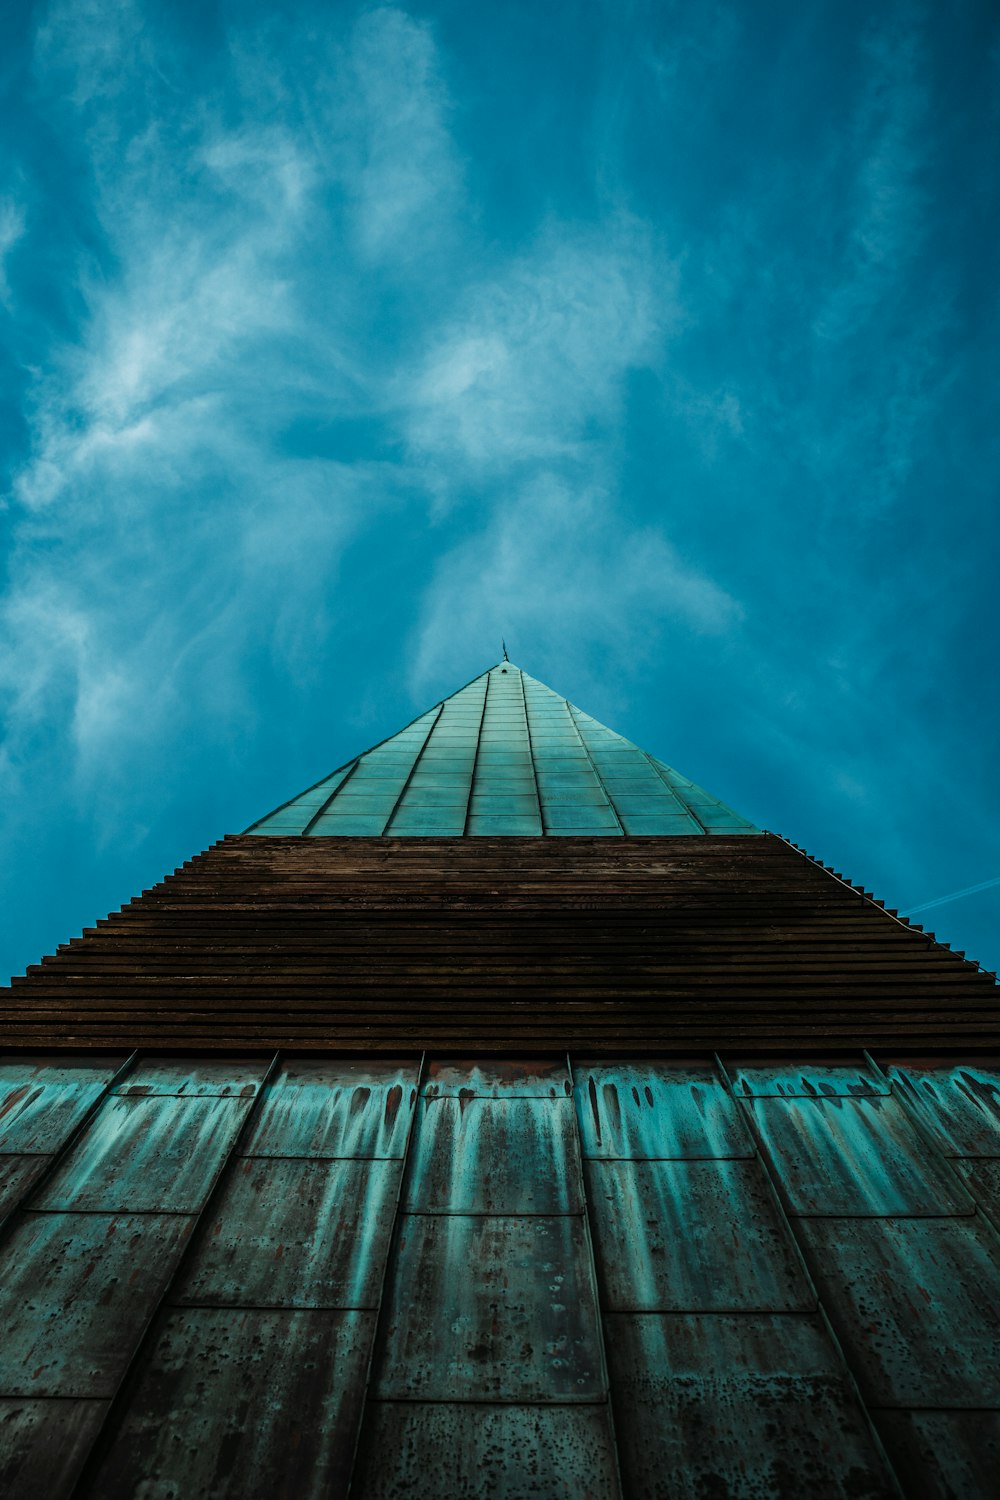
[531,750]
[307,827]
[117,1407]
[675,794]
[824,1315]
[389,1264]
[609,1400]
[412,772]
[938,1153]
[347,768]
[377,746]
[594,767]
[475,758]
[56,1158]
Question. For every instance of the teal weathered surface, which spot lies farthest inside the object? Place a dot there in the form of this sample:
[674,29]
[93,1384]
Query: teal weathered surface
[476,1451]
[655,1111]
[809,1080]
[44,1443]
[42,1100]
[242,1401]
[76,1292]
[917,1305]
[143,1154]
[692,1236]
[854,1156]
[491,1307]
[505,756]
[754,1406]
[296,1233]
[335,1109]
[958,1106]
[496,1156]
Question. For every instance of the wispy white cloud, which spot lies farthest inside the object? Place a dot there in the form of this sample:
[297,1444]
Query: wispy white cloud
[166,526]
[556,568]
[12,226]
[537,354]
[885,152]
[405,180]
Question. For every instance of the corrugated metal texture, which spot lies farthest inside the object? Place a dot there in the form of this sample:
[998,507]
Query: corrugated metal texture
[274,1312]
[754,1406]
[491,1296]
[506,756]
[479,945]
[687,1233]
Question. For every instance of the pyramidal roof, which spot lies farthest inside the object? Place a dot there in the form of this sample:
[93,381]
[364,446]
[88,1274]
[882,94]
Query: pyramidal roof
[504,756]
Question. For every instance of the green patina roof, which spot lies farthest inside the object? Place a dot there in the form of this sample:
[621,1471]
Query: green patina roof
[503,756]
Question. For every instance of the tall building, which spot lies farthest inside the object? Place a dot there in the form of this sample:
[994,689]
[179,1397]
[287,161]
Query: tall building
[502,1116]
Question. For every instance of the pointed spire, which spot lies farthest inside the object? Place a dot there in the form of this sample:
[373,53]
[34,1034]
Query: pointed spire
[504,756]
[503,644]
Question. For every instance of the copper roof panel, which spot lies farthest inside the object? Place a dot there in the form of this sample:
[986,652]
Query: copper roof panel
[749,1405]
[917,1305]
[692,1236]
[295,1233]
[853,1155]
[286,1393]
[646,1111]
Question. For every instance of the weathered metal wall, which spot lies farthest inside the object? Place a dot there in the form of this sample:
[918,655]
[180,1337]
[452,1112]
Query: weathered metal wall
[726,1380]
[223,1277]
[493,944]
[489,1376]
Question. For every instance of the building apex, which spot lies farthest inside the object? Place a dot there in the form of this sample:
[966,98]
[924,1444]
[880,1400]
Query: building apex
[503,756]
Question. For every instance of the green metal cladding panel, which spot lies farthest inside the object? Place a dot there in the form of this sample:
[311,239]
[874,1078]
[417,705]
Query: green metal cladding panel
[522,1277]
[504,756]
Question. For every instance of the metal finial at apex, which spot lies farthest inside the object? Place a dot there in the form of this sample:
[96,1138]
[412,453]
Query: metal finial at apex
[503,645]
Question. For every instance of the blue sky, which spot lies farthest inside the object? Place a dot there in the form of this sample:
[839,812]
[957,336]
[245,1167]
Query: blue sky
[338,341]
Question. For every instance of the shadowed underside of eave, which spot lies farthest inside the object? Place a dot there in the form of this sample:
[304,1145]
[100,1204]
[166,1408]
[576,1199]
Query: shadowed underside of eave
[679,944]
